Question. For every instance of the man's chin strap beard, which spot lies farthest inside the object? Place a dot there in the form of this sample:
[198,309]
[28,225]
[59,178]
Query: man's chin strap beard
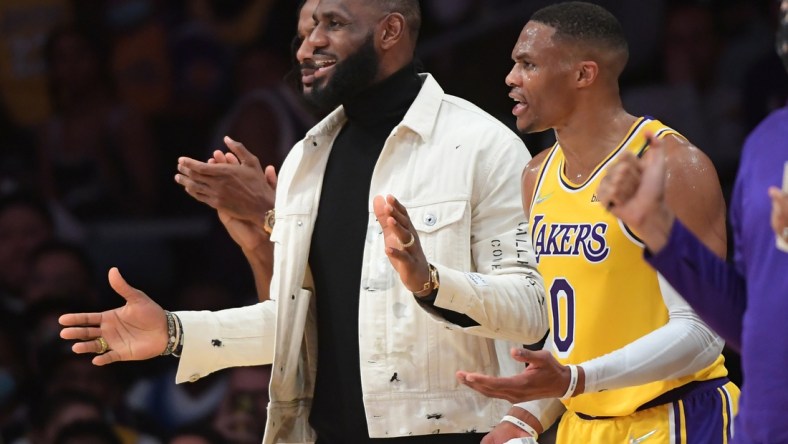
[350,76]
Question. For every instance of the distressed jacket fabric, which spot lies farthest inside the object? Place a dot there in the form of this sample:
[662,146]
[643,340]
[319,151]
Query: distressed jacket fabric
[457,170]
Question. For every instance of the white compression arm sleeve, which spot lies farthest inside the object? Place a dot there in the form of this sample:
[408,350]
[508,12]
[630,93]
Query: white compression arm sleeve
[681,347]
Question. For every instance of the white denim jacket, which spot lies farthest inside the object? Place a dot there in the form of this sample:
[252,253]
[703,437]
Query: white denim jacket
[457,170]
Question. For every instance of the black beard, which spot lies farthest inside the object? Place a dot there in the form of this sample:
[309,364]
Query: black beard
[351,76]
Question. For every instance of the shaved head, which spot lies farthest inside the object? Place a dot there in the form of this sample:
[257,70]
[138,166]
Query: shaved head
[409,9]
[590,28]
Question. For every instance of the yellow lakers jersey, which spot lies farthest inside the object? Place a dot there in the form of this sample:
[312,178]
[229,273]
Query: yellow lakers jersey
[602,294]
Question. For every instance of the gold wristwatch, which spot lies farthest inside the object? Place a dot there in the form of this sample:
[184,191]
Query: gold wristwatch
[432,284]
[269,220]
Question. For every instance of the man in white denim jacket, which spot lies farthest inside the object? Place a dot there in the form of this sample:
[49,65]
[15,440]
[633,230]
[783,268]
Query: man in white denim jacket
[468,219]
[457,171]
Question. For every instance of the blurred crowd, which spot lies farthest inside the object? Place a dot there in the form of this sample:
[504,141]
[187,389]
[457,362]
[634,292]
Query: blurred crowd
[100,98]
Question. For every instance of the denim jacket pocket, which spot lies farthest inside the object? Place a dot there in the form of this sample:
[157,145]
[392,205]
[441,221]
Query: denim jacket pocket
[444,231]
[432,217]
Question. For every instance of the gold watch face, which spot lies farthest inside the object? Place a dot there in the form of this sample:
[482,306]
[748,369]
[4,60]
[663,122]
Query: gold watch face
[270,219]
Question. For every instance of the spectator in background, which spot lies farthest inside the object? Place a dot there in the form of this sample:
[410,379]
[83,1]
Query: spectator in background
[242,413]
[61,270]
[14,375]
[744,28]
[25,224]
[17,160]
[765,85]
[23,86]
[95,156]
[51,413]
[269,115]
[692,98]
[59,373]
[236,23]
[199,98]
[87,432]
[199,434]
[141,65]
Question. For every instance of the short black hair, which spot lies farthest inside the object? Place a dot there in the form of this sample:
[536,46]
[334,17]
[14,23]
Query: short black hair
[31,201]
[584,22]
[45,407]
[76,251]
[79,430]
[410,9]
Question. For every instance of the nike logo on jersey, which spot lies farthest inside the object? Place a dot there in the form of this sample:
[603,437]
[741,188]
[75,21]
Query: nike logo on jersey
[543,198]
[633,440]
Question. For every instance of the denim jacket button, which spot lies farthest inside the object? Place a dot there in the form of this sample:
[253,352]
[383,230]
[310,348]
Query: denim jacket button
[430,220]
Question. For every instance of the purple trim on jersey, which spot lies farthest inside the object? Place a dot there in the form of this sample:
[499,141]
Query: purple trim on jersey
[588,180]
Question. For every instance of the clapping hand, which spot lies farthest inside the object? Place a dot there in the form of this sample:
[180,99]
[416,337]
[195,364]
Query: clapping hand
[233,183]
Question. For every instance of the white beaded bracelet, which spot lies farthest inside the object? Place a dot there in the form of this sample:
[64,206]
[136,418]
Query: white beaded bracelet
[572,382]
[521,424]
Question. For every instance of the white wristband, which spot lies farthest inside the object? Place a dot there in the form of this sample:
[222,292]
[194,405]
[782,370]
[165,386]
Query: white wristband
[572,382]
[521,424]
[528,440]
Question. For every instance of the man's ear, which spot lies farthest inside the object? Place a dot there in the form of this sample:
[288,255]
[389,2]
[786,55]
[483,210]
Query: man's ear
[392,30]
[587,73]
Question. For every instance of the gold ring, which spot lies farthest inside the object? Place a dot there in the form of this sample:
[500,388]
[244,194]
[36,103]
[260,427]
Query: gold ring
[104,347]
[410,242]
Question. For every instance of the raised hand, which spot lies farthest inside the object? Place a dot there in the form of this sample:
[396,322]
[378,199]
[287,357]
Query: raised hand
[234,183]
[402,243]
[544,378]
[134,332]
[633,190]
[633,186]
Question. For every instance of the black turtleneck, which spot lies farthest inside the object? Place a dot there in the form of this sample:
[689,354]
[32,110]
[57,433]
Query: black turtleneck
[336,254]
[336,260]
